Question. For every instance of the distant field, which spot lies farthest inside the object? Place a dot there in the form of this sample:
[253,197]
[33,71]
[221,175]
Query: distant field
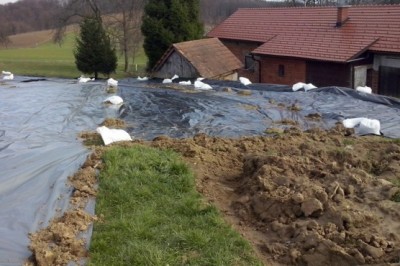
[34,54]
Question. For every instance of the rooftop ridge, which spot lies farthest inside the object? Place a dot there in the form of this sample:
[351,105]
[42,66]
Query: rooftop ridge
[316,7]
[315,27]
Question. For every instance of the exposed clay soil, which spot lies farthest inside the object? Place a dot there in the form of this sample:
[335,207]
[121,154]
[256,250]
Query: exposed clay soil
[300,198]
[303,198]
[60,242]
[114,123]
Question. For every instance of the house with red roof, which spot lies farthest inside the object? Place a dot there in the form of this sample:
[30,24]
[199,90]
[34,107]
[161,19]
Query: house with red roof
[345,46]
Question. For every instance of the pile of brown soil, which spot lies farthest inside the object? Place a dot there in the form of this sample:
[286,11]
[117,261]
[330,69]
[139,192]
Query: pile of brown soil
[304,198]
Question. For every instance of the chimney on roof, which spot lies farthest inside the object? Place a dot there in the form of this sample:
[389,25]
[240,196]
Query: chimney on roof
[342,13]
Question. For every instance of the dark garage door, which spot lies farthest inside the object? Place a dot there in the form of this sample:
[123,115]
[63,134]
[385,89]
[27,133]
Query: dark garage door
[389,81]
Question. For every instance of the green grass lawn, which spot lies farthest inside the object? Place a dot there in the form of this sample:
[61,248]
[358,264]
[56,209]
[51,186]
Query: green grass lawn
[154,216]
[52,60]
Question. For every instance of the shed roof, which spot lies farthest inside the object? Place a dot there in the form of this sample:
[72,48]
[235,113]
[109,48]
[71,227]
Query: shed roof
[209,56]
[311,32]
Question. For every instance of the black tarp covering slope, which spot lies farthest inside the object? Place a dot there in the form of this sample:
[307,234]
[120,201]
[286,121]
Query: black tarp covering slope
[180,111]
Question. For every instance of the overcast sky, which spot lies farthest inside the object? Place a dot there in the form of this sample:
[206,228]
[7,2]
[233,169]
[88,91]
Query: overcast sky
[7,1]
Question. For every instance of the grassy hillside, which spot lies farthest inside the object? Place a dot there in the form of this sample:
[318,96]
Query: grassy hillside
[34,54]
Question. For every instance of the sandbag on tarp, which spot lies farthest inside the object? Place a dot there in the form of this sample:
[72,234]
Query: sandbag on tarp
[39,149]
[154,111]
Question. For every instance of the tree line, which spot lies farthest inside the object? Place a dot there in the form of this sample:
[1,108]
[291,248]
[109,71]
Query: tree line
[32,15]
[26,16]
[121,19]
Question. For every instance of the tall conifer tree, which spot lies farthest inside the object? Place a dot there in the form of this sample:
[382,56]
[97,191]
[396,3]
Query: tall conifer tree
[94,53]
[169,21]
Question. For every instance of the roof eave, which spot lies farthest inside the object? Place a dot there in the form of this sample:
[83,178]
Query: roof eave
[366,48]
[303,58]
[163,58]
[242,40]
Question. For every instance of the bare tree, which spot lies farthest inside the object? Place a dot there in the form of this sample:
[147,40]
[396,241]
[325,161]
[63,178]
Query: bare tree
[4,40]
[122,20]
[73,11]
[125,25]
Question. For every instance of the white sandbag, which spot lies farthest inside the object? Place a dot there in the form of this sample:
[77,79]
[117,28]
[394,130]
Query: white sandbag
[175,77]
[6,73]
[352,122]
[166,81]
[245,81]
[309,86]
[201,85]
[199,79]
[369,126]
[112,83]
[82,79]
[142,79]
[113,135]
[114,100]
[9,77]
[298,86]
[363,125]
[364,89]
[186,83]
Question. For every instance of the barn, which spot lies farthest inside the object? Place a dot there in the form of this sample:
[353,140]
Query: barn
[207,58]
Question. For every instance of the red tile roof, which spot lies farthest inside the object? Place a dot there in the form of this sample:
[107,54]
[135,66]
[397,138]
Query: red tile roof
[311,32]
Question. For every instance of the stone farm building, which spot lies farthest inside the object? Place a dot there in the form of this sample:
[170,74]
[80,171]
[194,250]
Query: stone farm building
[345,46]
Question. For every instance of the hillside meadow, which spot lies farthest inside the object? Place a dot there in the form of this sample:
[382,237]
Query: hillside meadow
[34,54]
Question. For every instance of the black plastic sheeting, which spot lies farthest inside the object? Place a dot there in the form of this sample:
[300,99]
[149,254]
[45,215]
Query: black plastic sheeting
[39,149]
[181,111]
[40,120]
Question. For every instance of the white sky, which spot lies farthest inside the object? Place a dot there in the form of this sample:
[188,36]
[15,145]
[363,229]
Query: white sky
[7,1]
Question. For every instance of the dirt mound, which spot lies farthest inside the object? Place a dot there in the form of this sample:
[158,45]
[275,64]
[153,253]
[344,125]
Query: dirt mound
[60,242]
[304,198]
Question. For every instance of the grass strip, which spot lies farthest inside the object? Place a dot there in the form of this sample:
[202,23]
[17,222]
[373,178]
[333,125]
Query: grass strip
[154,216]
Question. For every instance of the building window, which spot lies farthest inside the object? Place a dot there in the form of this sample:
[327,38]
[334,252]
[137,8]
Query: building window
[281,71]
[249,62]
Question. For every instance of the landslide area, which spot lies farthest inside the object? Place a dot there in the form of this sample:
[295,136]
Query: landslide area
[303,198]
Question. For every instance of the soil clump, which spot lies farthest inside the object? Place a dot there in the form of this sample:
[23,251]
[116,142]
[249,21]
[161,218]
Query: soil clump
[303,198]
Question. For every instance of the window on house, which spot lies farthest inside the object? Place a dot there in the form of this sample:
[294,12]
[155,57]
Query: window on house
[281,71]
[249,62]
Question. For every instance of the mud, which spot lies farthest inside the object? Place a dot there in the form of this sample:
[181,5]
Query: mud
[60,243]
[303,198]
[114,123]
